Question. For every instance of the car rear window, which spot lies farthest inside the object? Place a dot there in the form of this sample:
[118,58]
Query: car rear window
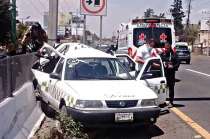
[181,47]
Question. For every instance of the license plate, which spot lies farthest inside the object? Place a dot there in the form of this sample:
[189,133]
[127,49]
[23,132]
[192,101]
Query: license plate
[123,117]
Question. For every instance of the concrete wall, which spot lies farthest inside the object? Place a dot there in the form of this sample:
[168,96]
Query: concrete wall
[19,114]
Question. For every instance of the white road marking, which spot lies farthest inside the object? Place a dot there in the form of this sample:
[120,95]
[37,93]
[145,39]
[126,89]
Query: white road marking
[201,73]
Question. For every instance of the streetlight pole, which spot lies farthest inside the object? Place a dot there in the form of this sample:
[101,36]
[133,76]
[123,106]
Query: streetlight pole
[208,23]
[53,21]
[13,22]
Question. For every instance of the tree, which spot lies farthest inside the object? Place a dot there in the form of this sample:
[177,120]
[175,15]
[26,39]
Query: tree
[5,21]
[149,13]
[21,29]
[192,34]
[178,15]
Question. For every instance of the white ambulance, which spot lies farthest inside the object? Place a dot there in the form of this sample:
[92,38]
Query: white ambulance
[136,33]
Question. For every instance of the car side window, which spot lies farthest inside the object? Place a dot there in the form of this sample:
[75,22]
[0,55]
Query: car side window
[127,62]
[59,67]
[50,66]
[153,70]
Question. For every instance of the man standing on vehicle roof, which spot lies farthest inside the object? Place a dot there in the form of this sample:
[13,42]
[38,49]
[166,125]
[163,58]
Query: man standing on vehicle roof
[145,51]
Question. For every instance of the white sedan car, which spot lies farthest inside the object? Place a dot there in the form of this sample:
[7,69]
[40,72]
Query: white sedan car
[95,88]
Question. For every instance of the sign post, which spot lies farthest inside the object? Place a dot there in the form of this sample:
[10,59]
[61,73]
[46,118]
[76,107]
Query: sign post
[101,29]
[84,30]
[93,8]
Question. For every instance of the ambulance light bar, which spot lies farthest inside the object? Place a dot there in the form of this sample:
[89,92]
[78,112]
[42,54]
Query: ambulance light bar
[139,21]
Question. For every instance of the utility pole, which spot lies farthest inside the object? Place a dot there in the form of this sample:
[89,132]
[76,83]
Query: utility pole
[13,22]
[101,27]
[188,14]
[84,30]
[53,21]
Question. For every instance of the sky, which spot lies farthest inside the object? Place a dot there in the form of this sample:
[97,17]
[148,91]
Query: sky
[118,11]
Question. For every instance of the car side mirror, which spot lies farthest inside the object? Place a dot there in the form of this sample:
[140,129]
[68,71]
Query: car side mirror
[147,76]
[55,76]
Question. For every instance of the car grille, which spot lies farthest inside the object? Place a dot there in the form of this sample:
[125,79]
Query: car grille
[122,103]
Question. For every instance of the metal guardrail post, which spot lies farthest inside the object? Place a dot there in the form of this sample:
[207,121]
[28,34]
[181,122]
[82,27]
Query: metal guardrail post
[9,77]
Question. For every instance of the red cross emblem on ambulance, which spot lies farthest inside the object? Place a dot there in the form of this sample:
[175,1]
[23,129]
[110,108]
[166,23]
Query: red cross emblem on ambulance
[142,37]
[163,37]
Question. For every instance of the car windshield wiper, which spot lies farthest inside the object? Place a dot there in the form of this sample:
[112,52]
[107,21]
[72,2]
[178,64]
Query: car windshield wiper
[85,77]
[109,78]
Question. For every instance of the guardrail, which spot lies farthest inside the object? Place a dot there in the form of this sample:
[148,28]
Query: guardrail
[14,72]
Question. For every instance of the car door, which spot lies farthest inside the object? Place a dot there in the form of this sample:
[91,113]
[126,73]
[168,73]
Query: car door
[152,75]
[128,62]
[41,71]
[55,79]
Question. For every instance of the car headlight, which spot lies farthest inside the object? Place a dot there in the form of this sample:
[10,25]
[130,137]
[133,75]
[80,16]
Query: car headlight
[148,102]
[89,104]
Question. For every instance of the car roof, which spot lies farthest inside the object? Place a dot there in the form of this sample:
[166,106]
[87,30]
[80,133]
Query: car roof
[181,43]
[78,50]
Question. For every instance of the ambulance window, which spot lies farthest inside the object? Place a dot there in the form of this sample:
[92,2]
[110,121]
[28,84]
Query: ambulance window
[160,35]
[153,69]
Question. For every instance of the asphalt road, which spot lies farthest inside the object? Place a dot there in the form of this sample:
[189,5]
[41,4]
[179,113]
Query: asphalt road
[193,92]
[192,99]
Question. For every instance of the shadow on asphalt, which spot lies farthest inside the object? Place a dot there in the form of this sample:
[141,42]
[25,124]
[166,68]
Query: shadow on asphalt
[139,132]
[178,105]
[193,99]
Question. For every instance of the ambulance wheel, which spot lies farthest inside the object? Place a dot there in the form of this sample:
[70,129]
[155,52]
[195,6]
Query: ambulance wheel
[48,111]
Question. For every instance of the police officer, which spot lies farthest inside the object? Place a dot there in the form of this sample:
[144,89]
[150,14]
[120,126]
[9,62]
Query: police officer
[171,65]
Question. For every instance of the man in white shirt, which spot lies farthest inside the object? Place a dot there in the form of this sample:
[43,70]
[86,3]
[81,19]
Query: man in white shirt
[145,51]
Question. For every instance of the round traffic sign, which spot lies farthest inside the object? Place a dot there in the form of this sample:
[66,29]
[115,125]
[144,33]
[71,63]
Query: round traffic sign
[96,9]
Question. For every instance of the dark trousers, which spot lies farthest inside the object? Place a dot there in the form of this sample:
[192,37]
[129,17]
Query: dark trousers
[170,77]
[171,93]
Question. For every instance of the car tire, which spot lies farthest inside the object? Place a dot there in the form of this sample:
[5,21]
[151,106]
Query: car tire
[48,111]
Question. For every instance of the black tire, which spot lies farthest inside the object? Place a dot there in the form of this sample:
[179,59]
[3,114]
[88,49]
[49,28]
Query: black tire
[48,111]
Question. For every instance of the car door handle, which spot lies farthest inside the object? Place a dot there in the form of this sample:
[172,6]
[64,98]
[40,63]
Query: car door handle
[162,82]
